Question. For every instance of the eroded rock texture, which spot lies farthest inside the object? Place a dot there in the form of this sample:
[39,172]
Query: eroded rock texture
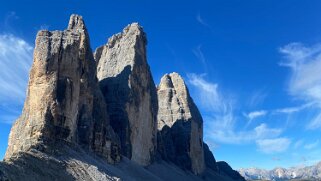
[64,102]
[66,122]
[180,125]
[70,163]
[129,91]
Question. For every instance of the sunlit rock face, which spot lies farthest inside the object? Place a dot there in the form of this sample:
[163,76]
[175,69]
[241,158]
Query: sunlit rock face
[180,125]
[127,84]
[84,112]
[64,102]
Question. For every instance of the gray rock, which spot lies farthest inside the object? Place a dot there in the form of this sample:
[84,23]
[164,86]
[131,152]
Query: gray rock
[281,174]
[180,125]
[69,162]
[63,101]
[129,90]
[209,158]
[225,169]
[66,130]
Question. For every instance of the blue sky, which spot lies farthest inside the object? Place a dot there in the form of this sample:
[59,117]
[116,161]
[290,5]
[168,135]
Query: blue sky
[252,66]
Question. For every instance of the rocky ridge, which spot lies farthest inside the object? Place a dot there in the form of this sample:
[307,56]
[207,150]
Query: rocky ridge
[100,116]
[282,174]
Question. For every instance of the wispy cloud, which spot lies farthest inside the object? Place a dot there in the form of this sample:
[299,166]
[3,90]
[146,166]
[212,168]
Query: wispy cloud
[230,135]
[200,55]
[257,98]
[276,159]
[305,80]
[15,62]
[208,93]
[253,115]
[201,20]
[290,110]
[312,145]
[221,125]
[298,144]
[10,16]
[256,114]
[271,146]
[315,123]
[287,110]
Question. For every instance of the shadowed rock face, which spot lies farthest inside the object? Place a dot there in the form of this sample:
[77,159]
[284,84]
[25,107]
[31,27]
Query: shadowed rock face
[180,125]
[210,161]
[130,93]
[63,101]
[66,122]
[225,169]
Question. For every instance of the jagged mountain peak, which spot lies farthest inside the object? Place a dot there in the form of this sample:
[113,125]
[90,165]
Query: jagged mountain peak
[170,80]
[76,22]
[82,116]
[133,34]
[128,87]
[283,174]
[180,124]
[63,101]
[133,27]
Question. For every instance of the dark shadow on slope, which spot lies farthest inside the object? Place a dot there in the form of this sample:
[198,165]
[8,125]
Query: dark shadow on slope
[209,158]
[3,177]
[174,144]
[116,91]
[69,162]
[226,169]
[58,161]
[174,147]
[30,166]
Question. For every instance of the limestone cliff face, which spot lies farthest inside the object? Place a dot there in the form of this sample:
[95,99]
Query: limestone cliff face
[77,108]
[180,125]
[64,102]
[129,90]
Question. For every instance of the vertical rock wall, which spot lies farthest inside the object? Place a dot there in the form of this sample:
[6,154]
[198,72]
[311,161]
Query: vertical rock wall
[110,109]
[180,125]
[129,91]
[63,101]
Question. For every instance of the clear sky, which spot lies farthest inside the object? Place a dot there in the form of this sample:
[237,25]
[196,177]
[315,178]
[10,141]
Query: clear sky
[253,67]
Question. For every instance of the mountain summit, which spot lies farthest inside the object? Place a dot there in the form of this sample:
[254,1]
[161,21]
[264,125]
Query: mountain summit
[99,116]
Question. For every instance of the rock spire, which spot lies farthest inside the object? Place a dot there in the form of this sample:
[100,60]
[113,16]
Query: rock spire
[127,84]
[180,125]
[64,102]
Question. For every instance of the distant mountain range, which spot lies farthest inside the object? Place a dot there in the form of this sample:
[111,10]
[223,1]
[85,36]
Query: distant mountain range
[282,174]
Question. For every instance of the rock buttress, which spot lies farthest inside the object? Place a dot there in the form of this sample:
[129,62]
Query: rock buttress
[130,93]
[180,125]
[64,102]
